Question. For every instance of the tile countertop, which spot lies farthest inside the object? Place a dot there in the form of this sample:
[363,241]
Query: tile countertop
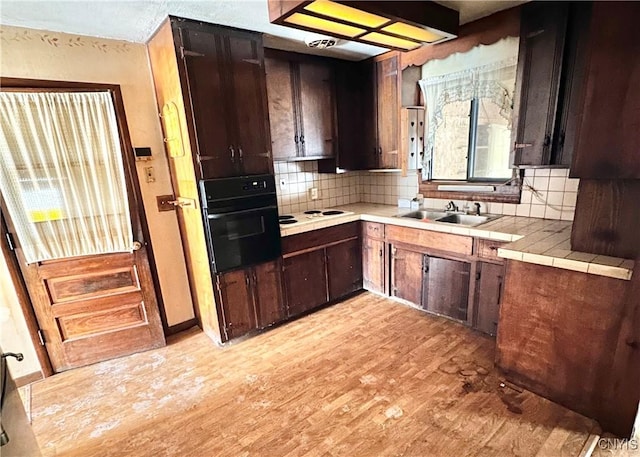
[539,241]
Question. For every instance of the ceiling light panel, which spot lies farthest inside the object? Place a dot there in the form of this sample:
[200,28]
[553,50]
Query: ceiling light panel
[324,25]
[346,13]
[390,41]
[413,32]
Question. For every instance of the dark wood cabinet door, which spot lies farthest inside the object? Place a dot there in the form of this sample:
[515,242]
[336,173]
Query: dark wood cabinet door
[571,84]
[488,294]
[373,264]
[344,268]
[249,94]
[388,112]
[406,274]
[446,287]
[215,157]
[282,111]
[268,293]
[305,282]
[316,109]
[542,36]
[236,302]
[608,137]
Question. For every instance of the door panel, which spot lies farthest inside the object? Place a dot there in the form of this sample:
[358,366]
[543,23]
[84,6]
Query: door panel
[373,264]
[282,116]
[305,281]
[235,298]
[446,287]
[249,95]
[216,156]
[388,112]
[344,268]
[316,104]
[268,292]
[488,293]
[406,275]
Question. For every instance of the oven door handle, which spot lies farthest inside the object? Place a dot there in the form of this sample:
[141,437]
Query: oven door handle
[244,211]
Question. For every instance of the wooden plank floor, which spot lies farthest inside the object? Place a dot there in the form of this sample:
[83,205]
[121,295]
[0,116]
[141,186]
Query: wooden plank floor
[366,377]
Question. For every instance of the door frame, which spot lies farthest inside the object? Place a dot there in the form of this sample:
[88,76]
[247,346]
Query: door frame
[133,192]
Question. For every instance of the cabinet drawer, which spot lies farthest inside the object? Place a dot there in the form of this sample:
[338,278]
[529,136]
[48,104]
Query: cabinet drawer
[373,230]
[319,238]
[432,240]
[488,249]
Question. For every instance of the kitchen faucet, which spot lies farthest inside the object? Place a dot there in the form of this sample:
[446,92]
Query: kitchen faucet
[451,207]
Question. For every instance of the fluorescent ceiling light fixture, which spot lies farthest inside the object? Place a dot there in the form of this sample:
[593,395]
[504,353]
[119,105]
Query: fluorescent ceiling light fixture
[412,32]
[346,13]
[388,40]
[324,25]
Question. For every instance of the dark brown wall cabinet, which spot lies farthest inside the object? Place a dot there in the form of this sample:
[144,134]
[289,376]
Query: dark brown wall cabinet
[301,108]
[249,299]
[368,113]
[608,145]
[226,93]
[551,71]
[321,266]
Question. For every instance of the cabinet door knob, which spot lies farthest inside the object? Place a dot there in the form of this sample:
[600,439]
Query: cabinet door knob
[240,152]
[233,153]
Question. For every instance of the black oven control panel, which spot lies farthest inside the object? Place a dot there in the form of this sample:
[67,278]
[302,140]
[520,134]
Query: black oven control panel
[237,187]
[259,184]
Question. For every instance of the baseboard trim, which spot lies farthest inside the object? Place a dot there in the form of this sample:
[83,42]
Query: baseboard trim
[28,379]
[182,326]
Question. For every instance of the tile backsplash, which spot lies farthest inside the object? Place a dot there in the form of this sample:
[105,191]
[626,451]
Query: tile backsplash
[294,181]
[548,193]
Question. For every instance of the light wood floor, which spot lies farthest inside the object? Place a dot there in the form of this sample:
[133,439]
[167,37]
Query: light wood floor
[366,377]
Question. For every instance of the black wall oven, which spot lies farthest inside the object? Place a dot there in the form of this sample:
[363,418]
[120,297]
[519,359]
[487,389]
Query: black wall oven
[241,221]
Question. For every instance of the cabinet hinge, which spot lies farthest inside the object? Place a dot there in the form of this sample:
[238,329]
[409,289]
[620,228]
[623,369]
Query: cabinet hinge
[10,241]
[41,337]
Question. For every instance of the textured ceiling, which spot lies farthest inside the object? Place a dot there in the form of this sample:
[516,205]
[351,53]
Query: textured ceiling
[136,20]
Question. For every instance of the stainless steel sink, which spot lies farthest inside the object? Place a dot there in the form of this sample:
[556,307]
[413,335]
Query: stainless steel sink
[468,220]
[464,219]
[425,214]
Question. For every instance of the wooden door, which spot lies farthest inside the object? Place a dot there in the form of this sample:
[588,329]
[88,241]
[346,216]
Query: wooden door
[488,294]
[316,109]
[249,110]
[373,264]
[305,281]
[282,112]
[209,105]
[542,34]
[268,293]
[95,307]
[406,274]
[388,111]
[446,287]
[235,300]
[608,136]
[344,268]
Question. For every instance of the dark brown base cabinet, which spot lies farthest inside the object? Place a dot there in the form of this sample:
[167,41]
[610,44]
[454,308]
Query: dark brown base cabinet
[249,299]
[374,257]
[489,280]
[321,266]
[445,287]
[406,275]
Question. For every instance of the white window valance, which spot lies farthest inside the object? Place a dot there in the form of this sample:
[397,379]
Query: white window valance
[486,72]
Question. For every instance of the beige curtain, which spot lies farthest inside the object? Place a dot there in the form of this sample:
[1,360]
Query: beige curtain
[61,174]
